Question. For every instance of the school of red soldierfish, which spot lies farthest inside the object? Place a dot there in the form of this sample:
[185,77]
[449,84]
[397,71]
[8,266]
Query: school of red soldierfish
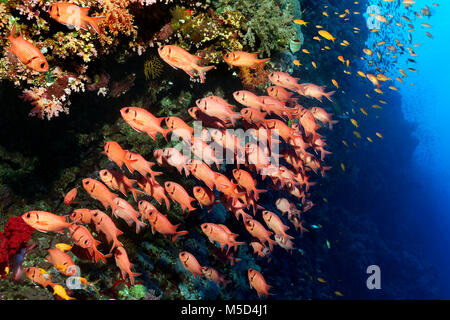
[295,125]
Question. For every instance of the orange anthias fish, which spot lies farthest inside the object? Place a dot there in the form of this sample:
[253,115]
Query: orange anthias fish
[70,196]
[83,238]
[221,234]
[27,52]
[142,120]
[178,194]
[72,15]
[243,59]
[124,264]
[178,57]
[99,191]
[190,263]
[105,224]
[116,180]
[45,221]
[258,282]
[159,222]
[213,275]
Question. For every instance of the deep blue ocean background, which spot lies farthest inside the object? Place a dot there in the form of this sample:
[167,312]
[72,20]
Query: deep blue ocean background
[403,185]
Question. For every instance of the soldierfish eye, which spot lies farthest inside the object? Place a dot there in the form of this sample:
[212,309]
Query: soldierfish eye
[86,182]
[127,110]
[43,65]
[95,214]
[29,215]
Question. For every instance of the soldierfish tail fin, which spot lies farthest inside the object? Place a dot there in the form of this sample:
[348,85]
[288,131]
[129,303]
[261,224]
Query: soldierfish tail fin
[135,192]
[333,122]
[164,132]
[323,169]
[139,225]
[92,21]
[323,153]
[260,61]
[98,256]
[132,275]
[329,94]
[179,234]
[257,192]
[233,117]
[271,243]
[116,244]
[202,70]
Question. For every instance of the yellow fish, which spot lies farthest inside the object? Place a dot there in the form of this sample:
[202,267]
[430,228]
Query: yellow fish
[325,14]
[368,51]
[63,246]
[379,135]
[347,63]
[317,38]
[335,83]
[363,111]
[382,101]
[326,35]
[361,74]
[345,143]
[393,88]
[370,140]
[354,122]
[357,134]
[314,64]
[325,200]
[375,106]
[306,51]
[297,63]
[341,59]
[60,291]
[322,280]
[300,22]
[378,91]
[338,293]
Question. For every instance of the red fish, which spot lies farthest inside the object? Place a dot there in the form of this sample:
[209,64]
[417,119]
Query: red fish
[83,238]
[116,180]
[144,167]
[178,58]
[99,191]
[27,52]
[159,222]
[155,190]
[45,221]
[124,264]
[123,209]
[105,224]
[72,15]
[178,194]
[243,59]
[116,154]
[190,263]
[213,275]
[221,234]
[142,120]
[70,197]
[258,282]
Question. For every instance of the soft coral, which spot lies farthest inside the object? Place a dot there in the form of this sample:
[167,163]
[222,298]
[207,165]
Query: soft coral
[15,236]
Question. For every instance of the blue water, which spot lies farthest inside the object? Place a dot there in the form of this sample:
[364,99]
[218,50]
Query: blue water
[426,104]
[426,206]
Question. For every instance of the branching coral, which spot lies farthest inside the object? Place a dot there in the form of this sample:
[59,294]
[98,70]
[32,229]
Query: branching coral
[153,68]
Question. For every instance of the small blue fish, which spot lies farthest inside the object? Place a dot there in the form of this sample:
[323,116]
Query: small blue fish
[314,226]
